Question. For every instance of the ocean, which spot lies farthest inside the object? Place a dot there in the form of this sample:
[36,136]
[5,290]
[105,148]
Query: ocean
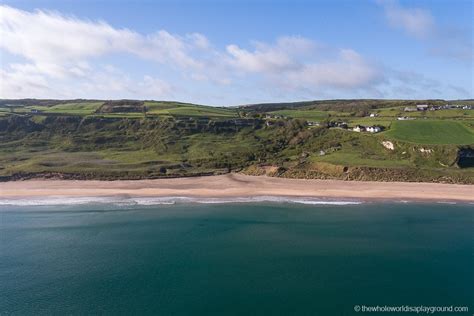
[254,257]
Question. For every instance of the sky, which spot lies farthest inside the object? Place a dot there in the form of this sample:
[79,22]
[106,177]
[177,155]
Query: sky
[232,52]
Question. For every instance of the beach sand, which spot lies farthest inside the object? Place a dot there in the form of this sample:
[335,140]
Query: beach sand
[238,185]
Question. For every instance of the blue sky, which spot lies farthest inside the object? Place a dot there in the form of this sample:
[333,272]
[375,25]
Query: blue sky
[236,52]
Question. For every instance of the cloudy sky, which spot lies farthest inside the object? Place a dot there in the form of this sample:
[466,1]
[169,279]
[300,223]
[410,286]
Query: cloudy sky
[236,52]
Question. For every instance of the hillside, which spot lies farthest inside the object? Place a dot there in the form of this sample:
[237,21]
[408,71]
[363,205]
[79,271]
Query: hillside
[346,104]
[130,139]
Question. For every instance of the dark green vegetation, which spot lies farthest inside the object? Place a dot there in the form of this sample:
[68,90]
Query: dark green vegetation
[126,139]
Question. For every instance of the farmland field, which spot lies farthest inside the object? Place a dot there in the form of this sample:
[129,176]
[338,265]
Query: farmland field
[439,114]
[431,132]
[83,108]
[194,111]
[303,114]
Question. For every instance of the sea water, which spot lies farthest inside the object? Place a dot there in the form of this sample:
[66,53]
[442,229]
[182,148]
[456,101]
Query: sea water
[181,257]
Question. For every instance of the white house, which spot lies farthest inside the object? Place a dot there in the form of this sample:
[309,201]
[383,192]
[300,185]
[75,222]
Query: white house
[373,129]
[359,128]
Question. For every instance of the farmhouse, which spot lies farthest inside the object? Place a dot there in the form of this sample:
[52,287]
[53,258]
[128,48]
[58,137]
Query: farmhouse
[370,129]
[271,116]
[410,109]
[422,107]
[359,128]
[339,124]
[373,129]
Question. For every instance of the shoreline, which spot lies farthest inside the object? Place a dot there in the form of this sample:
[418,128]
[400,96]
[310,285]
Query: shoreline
[235,186]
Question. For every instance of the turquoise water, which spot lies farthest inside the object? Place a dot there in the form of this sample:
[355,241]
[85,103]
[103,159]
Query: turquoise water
[234,259]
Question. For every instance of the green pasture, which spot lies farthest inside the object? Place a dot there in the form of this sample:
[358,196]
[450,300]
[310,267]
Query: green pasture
[431,132]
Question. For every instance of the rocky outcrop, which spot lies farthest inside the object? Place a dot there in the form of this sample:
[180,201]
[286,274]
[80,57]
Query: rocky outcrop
[388,145]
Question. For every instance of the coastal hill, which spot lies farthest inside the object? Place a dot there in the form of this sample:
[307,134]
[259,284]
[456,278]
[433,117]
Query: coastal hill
[381,140]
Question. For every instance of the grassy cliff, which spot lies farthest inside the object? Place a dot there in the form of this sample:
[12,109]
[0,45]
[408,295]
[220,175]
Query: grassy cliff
[152,139]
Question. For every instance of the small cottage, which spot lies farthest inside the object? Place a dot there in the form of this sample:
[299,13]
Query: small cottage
[373,129]
[359,128]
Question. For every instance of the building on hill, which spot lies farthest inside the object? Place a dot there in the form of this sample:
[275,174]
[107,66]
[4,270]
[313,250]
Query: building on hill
[339,124]
[370,129]
[359,128]
[410,109]
[422,107]
[271,116]
[373,129]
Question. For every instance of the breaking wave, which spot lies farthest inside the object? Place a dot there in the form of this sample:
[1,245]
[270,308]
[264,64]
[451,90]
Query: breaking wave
[149,201]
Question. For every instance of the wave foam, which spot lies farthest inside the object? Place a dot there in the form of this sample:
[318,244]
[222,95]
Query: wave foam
[149,201]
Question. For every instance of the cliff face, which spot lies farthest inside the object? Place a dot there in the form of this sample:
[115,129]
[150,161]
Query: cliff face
[95,147]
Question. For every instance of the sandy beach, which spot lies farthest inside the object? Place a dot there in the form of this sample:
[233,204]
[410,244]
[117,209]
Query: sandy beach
[237,185]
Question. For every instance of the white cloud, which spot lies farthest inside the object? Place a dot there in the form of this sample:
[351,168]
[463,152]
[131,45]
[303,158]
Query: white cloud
[59,47]
[349,70]
[199,40]
[17,84]
[415,21]
[63,57]
[45,37]
[282,56]
[297,63]
[27,80]
[151,87]
[441,40]
[259,61]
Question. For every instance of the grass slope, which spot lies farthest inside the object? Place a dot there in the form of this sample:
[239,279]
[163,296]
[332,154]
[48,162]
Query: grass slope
[182,139]
[431,132]
[82,108]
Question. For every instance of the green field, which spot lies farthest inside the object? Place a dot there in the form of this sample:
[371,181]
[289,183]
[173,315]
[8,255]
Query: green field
[312,115]
[83,108]
[439,114]
[431,132]
[194,111]
[154,108]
